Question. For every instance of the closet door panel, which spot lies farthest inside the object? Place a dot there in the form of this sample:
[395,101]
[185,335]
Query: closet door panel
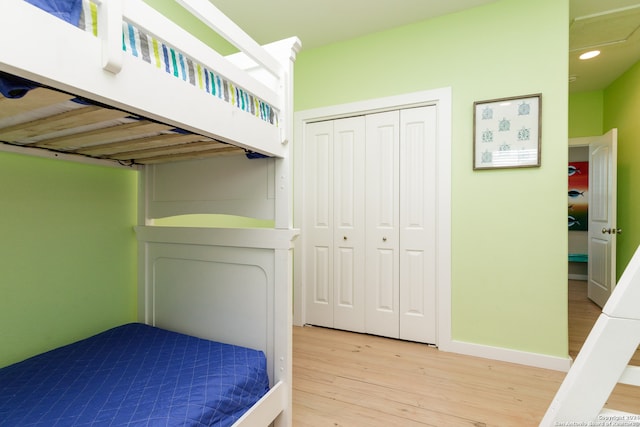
[382,218]
[321,276]
[318,212]
[348,237]
[417,224]
[412,288]
[385,266]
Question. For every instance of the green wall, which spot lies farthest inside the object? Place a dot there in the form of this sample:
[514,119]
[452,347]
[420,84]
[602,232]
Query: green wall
[621,110]
[509,239]
[586,114]
[67,254]
[595,113]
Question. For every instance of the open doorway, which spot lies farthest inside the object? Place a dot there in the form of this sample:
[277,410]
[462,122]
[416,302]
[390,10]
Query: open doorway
[592,231]
[592,210]
[582,311]
[578,212]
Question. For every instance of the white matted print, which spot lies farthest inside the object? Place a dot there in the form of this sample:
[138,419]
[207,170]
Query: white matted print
[506,132]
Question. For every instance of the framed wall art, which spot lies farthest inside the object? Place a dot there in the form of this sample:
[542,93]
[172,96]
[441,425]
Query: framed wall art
[506,132]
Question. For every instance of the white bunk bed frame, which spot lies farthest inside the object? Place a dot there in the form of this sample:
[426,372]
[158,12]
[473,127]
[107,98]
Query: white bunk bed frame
[230,285]
[603,361]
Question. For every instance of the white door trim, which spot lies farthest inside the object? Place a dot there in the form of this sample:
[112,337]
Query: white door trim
[438,97]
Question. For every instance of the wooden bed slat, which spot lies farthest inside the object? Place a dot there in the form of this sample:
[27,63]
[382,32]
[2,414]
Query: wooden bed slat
[34,99]
[193,155]
[170,150]
[161,140]
[70,119]
[104,135]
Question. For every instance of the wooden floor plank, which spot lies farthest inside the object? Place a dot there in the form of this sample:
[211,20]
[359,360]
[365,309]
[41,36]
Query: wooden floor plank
[346,379]
[416,382]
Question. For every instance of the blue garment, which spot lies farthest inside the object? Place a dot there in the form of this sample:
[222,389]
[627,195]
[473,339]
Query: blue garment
[67,10]
[15,87]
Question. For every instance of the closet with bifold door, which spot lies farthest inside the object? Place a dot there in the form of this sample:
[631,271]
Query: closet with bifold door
[369,223]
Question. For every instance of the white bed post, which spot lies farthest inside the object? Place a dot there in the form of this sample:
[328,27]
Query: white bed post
[144,192]
[287,51]
[110,24]
[602,361]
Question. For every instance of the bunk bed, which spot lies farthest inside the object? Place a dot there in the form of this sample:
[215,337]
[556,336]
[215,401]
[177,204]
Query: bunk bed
[116,83]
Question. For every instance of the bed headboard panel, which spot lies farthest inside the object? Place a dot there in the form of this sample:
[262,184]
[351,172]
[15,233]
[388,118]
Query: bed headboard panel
[228,285]
[222,294]
[232,184]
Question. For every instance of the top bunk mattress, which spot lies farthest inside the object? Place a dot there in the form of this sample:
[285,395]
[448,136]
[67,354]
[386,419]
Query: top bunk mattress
[134,374]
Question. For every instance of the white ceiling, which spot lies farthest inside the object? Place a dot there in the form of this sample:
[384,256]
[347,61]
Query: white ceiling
[611,26]
[320,22]
[608,24]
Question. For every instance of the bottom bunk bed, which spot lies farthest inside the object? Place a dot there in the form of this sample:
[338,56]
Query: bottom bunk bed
[226,285]
[212,346]
[134,374]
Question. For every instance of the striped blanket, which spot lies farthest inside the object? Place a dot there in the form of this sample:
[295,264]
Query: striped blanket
[84,14]
[163,56]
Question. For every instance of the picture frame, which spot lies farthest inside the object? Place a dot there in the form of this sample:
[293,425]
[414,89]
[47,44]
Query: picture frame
[507,132]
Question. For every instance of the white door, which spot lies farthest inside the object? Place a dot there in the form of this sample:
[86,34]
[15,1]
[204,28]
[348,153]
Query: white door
[348,220]
[602,217]
[334,230]
[382,219]
[418,224]
[318,212]
[370,227]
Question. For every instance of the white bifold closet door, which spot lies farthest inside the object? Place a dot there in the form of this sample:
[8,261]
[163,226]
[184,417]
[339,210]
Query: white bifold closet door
[418,203]
[382,302]
[334,223]
[370,224]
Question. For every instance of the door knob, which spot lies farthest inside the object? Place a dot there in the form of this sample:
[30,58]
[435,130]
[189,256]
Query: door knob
[611,230]
[384,239]
[344,238]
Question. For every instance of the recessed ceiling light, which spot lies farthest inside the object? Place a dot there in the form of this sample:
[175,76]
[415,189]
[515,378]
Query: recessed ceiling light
[590,54]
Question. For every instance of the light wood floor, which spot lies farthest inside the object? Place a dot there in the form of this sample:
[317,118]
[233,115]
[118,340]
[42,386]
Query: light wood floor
[343,379]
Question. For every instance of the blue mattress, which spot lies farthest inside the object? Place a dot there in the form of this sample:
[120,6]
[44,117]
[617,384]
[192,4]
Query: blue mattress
[134,375]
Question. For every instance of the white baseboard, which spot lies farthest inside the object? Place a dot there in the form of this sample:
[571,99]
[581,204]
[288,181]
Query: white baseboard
[508,355]
[578,277]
